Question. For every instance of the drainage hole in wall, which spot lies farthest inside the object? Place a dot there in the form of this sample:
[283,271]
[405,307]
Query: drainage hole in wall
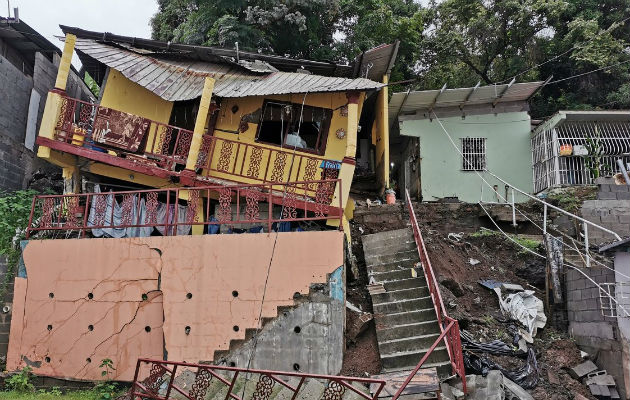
[236,328]
[296,295]
[90,295]
[234,293]
[232,364]
[51,295]
[90,327]
[88,360]
[50,327]
[147,328]
[189,296]
[296,367]
[297,329]
[47,359]
[187,330]
[144,297]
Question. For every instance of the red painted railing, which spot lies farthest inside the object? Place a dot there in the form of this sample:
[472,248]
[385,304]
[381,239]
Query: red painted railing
[253,205]
[156,379]
[100,128]
[449,327]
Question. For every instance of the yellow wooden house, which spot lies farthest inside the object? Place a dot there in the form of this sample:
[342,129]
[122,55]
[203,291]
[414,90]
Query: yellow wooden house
[189,116]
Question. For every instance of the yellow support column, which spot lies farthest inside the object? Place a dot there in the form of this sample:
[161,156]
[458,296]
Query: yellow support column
[381,133]
[200,124]
[66,61]
[71,180]
[54,100]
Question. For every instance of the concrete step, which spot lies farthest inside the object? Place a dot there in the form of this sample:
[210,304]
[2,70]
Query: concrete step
[444,368]
[393,275]
[405,318]
[405,284]
[383,236]
[387,333]
[411,358]
[393,266]
[388,246]
[403,305]
[398,295]
[412,343]
[380,259]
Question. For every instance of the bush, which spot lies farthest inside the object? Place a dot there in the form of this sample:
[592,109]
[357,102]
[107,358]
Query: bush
[20,382]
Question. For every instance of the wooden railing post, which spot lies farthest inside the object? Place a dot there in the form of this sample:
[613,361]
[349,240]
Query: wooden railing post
[200,124]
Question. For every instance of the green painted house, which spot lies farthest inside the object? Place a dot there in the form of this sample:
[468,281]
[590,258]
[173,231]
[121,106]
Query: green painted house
[444,143]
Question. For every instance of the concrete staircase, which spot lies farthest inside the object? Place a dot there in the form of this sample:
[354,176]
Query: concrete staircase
[406,323]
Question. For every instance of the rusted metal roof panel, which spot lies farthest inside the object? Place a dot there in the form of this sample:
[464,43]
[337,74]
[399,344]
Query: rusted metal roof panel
[177,80]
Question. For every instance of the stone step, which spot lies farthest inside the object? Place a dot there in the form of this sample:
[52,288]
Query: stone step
[398,295]
[405,318]
[380,259]
[403,305]
[405,284]
[412,343]
[391,248]
[444,368]
[381,236]
[386,333]
[411,358]
[393,266]
[385,277]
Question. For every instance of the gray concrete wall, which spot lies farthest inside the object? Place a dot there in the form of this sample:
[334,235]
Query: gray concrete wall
[593,332]
[5,317]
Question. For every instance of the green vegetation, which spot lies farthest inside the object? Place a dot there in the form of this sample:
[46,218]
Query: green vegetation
[106,390]
[91,83]
[20,382]
[527,243]
[54,394]
[15,209]
[571,198]
[457,42]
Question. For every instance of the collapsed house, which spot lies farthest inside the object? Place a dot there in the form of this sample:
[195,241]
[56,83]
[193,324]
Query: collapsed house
[206,142]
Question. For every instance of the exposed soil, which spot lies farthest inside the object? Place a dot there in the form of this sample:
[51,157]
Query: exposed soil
[476,307]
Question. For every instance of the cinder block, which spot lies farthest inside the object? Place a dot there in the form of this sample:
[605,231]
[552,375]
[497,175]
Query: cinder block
[623,195]
[619,188]
[606,196]
[604,187]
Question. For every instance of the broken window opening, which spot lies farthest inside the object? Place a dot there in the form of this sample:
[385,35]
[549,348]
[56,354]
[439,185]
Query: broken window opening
[289,125]
[473,154]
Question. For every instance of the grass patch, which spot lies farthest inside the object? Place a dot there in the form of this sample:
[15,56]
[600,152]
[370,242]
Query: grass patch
[527,243]
[50,395]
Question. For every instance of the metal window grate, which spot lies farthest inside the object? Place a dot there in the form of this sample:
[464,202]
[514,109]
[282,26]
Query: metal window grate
[621,292]
[473,154]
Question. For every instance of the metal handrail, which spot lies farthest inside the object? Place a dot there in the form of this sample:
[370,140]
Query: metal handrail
[152,386]
[70,212]
[449,333]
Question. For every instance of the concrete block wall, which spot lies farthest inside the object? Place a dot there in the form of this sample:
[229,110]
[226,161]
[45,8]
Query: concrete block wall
[15,94]
[5,316]
[594,333]
[611,210]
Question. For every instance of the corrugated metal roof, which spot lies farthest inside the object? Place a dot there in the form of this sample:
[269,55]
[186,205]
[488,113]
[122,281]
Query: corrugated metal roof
[405,102]
[176,80]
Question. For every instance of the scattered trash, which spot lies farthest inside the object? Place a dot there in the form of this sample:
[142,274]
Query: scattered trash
[361,230]
[473,261]
[511,287]
[526,376]
[525,308]
[376,288]
[495,347]
[455,237]
[489,283]
[352,307]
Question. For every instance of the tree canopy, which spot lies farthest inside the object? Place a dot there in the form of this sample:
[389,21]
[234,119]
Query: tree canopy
[452,42]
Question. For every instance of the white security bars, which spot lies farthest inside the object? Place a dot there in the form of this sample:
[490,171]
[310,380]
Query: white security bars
[576,152]
[473,154]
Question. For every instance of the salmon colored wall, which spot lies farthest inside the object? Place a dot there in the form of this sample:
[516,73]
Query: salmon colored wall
[118,271]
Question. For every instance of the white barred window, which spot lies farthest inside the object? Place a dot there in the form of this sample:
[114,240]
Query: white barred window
[474,154]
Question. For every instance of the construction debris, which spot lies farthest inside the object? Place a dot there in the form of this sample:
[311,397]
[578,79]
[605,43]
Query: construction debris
[582,370]
[525,308]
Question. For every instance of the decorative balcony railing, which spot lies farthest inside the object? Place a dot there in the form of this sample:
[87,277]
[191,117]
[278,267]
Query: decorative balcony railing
[174,211]
[157,379]
[153,144]
[103,129]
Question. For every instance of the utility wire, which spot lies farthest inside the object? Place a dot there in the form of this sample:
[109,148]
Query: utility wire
[499,195]
[612,26]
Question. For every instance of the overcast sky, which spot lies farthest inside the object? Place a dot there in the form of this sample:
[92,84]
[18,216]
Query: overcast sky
[124,17]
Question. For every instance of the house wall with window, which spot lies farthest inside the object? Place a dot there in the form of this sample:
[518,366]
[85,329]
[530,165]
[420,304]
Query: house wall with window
[499,142]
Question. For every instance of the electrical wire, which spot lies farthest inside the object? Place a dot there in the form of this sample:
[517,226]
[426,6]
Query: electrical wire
[568,264]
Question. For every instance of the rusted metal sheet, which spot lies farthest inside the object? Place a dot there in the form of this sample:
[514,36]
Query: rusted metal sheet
[176,80]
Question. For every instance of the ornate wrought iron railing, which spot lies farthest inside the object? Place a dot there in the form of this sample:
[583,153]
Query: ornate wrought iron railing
[179,208]
[103,129]
[156,379]
[449,327]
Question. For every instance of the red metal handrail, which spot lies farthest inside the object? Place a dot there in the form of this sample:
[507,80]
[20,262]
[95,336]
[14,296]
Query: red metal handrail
[449,333]
[160,382]
[72,212]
